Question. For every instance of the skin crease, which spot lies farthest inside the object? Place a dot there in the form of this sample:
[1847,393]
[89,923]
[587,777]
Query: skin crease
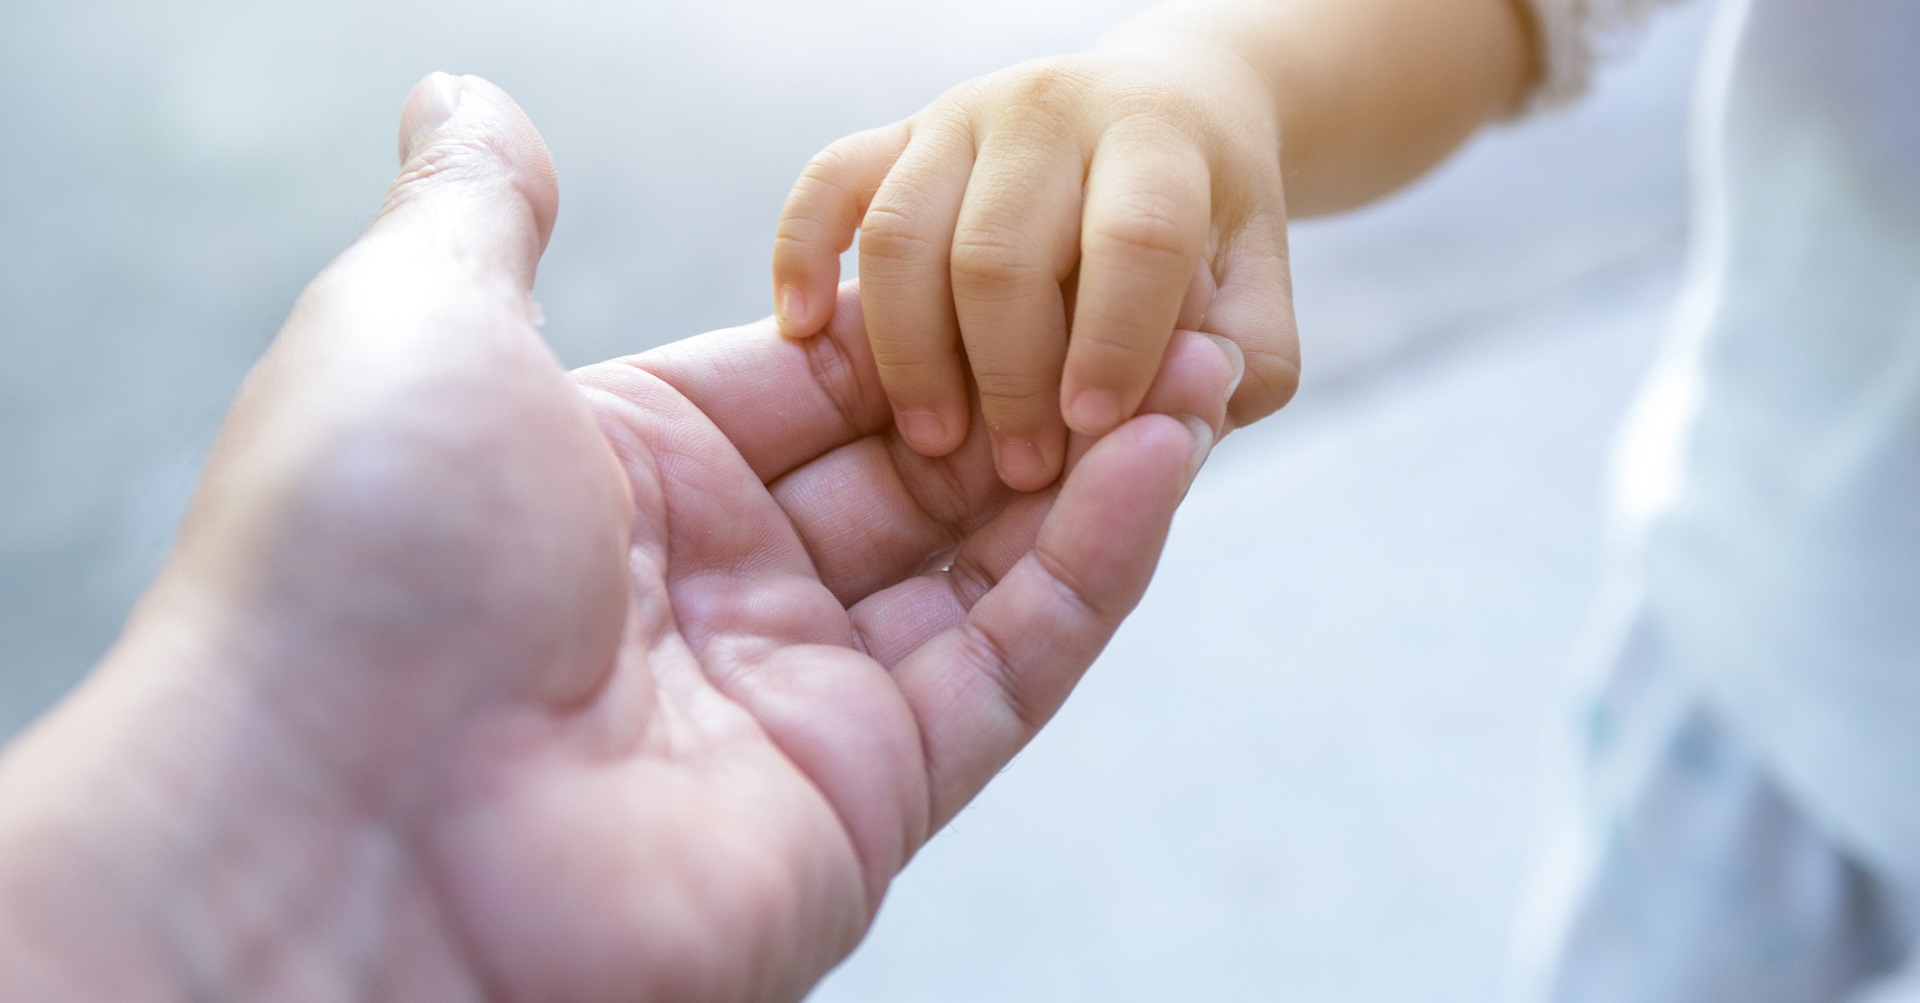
[471,680]
[474,679]
[1033,237]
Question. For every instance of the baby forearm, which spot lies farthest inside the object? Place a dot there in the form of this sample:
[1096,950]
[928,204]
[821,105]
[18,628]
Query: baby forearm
[1368,94]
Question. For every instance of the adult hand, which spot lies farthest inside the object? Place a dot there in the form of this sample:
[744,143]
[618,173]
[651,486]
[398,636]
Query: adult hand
[468,679]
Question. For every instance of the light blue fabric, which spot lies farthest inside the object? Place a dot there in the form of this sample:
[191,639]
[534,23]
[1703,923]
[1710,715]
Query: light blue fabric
[1684,874]
[1769,483]
[1749,811]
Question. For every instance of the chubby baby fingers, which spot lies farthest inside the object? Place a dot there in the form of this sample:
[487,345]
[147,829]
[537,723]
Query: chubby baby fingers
[1253,308]
[1142,233]
[818,222]
[905,245]
[1014,242]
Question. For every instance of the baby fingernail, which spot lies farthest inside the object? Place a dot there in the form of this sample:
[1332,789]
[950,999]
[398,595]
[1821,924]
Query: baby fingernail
[1202,444]
[1094,412]
[1022,466]
[791,306]
[923,430]
[1235,358]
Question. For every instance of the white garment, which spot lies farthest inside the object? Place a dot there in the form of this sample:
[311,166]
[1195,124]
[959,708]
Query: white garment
[1576,35]
[1768,483]
[1681,873]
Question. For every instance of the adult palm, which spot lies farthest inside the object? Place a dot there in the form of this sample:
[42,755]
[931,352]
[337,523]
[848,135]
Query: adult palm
[473,679]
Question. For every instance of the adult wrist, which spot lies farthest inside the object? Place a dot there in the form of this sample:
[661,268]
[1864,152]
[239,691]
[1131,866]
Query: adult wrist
[156,843]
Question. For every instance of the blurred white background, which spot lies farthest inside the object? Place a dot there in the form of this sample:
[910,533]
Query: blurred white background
[1306,770]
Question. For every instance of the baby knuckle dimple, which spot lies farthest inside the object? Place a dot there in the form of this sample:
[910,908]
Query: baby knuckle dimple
[1149,223]
[905,361]
[804,253]
[836,158]
[796,233]
[985,263]
[820,180]
[1272,377]
[889,233]
[1042,124]
[809,209]
[1150,106]
[1112,352]
[1045,83]
[1005,393]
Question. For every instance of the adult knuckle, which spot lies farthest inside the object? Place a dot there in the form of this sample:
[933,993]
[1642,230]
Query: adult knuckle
[448,160]
[990,660]
[1077,593]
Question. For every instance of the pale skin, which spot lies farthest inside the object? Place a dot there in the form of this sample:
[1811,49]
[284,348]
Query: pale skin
[1035,237]
[470,678]
[474,679]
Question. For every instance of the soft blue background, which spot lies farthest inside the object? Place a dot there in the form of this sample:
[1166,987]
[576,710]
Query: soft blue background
[1308,769]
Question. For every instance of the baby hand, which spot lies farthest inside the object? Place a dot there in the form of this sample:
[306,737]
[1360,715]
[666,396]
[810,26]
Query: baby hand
[1048,227]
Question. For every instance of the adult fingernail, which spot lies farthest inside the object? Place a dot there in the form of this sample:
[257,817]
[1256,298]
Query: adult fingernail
[1094,412]
[791,308]
[923,430]
[1202,444]
[1021,465]
[1235,358]
[430,106]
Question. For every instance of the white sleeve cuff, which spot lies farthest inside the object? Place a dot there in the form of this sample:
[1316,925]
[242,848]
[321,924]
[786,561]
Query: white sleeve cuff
[1578,35]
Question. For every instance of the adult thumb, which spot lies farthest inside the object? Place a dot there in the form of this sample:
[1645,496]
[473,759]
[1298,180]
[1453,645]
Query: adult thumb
[409,454]
[474,174]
